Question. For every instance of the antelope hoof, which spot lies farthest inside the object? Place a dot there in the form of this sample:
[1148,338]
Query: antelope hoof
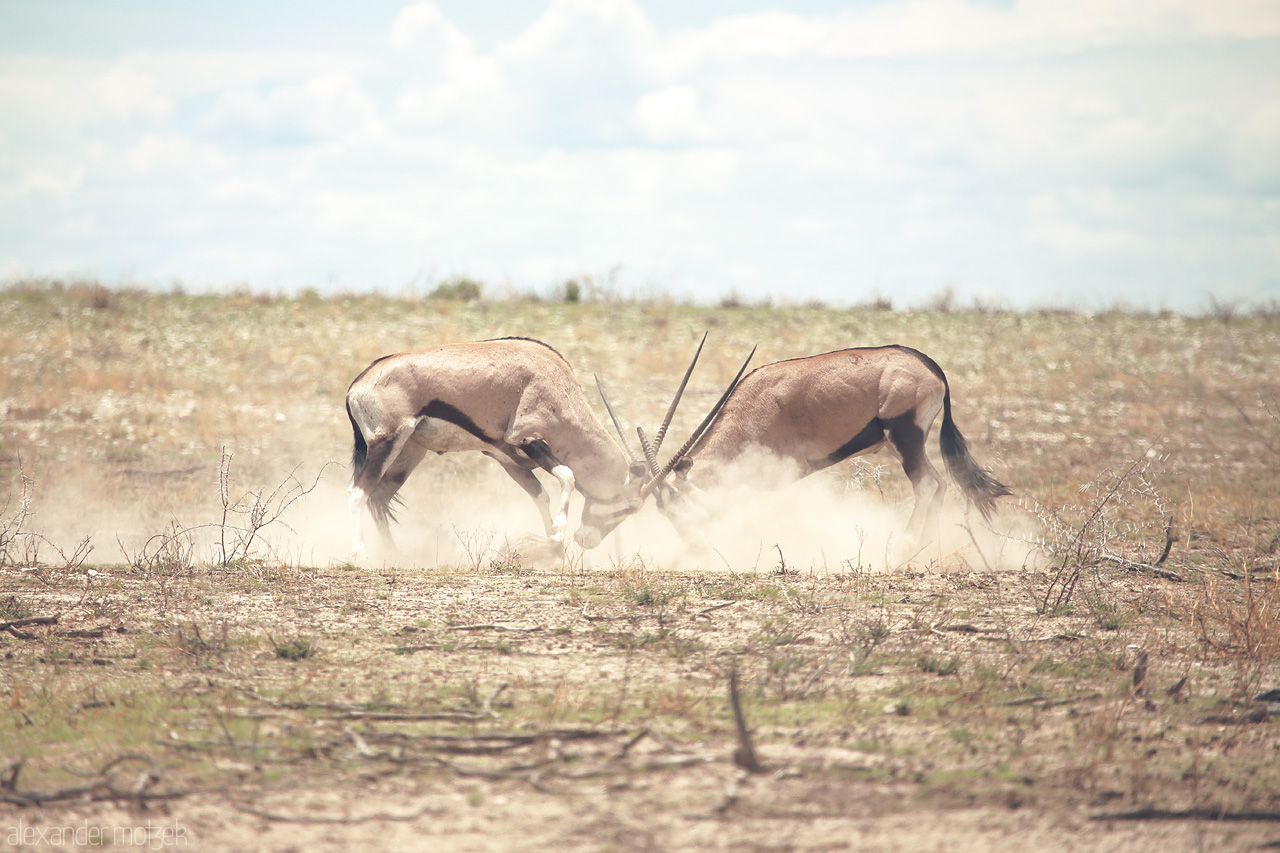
[587,538]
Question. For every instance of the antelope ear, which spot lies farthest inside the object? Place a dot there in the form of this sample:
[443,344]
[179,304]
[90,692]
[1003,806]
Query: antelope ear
[637,471]
[683,466]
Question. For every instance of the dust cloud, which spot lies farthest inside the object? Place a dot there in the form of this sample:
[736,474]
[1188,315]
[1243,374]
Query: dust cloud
[761,518]
[465,512]
[462,511]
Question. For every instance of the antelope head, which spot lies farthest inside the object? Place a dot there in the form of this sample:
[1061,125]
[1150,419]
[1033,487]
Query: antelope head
[667,494]
[600,517]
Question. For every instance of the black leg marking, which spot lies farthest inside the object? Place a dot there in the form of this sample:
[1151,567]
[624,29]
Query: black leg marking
[871,435]
[370,473]
[540,452]
[381,493]
[909,439]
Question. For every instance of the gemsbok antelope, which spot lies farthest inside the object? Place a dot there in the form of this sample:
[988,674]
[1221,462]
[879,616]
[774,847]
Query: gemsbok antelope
[515,400]
[817,411]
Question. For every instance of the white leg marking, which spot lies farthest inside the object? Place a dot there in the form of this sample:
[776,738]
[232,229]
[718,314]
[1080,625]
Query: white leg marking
[357,503]
[561,521]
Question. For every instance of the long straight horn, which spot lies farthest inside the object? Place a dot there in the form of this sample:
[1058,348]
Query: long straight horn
[666,422]
[656,479]
[626,445]
[650,453]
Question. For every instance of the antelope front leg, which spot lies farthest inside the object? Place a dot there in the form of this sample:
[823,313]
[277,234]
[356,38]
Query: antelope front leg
[539,452]
[560,523]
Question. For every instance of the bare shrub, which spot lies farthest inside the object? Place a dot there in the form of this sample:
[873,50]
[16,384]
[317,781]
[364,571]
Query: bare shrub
[875,302]
[239,538]
[944,301]
[203,647]
[1114,527]
[13,522]
[476,542]
[1224,310]
[1238,620]
[93,294]
[170,552]
[460,288]
[244,519]
[732,299]
[20,547]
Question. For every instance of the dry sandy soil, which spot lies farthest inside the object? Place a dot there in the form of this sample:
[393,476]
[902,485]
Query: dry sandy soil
[1081,674]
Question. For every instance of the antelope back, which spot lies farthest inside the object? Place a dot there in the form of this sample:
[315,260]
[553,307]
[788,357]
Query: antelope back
[805,409]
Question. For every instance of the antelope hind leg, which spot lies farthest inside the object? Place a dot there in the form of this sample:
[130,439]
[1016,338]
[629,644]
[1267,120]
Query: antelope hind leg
[927,486]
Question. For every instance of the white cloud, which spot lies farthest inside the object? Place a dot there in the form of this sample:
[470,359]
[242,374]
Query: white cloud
[669,115]
[125,92]
[1255,148]
[902,146]
[330,107]
[1075,239]
[447,77]
[574,73]
[173,152]
[55,184]
[931,27]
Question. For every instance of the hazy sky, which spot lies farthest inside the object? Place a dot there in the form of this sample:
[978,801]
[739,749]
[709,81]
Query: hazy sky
[1025,153]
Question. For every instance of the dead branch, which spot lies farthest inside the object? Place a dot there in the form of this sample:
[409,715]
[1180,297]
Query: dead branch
[90,633]
[817,673]
[360,743]
[395,717]
[731,794]
[1142,568]
[492,626]
[307,706]
[1257,714]
[12,627]
[1140,674]
[1050,701]
[745,755]
[632,741]
[487,708]
[341,711]
[324,820]
[1151,813]
[1168,542]
[202,745]
[483,744]
[520,772]
[966,628]
[103,787]
[704,611]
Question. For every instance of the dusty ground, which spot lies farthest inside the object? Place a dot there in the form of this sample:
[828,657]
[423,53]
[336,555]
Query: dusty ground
[515,708]
[1039,683]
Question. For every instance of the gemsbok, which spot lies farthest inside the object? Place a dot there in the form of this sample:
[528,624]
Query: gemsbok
[811,413]
[515,400]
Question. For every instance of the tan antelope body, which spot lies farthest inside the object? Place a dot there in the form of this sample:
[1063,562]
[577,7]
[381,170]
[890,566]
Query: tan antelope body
[515,400]
[814,412]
